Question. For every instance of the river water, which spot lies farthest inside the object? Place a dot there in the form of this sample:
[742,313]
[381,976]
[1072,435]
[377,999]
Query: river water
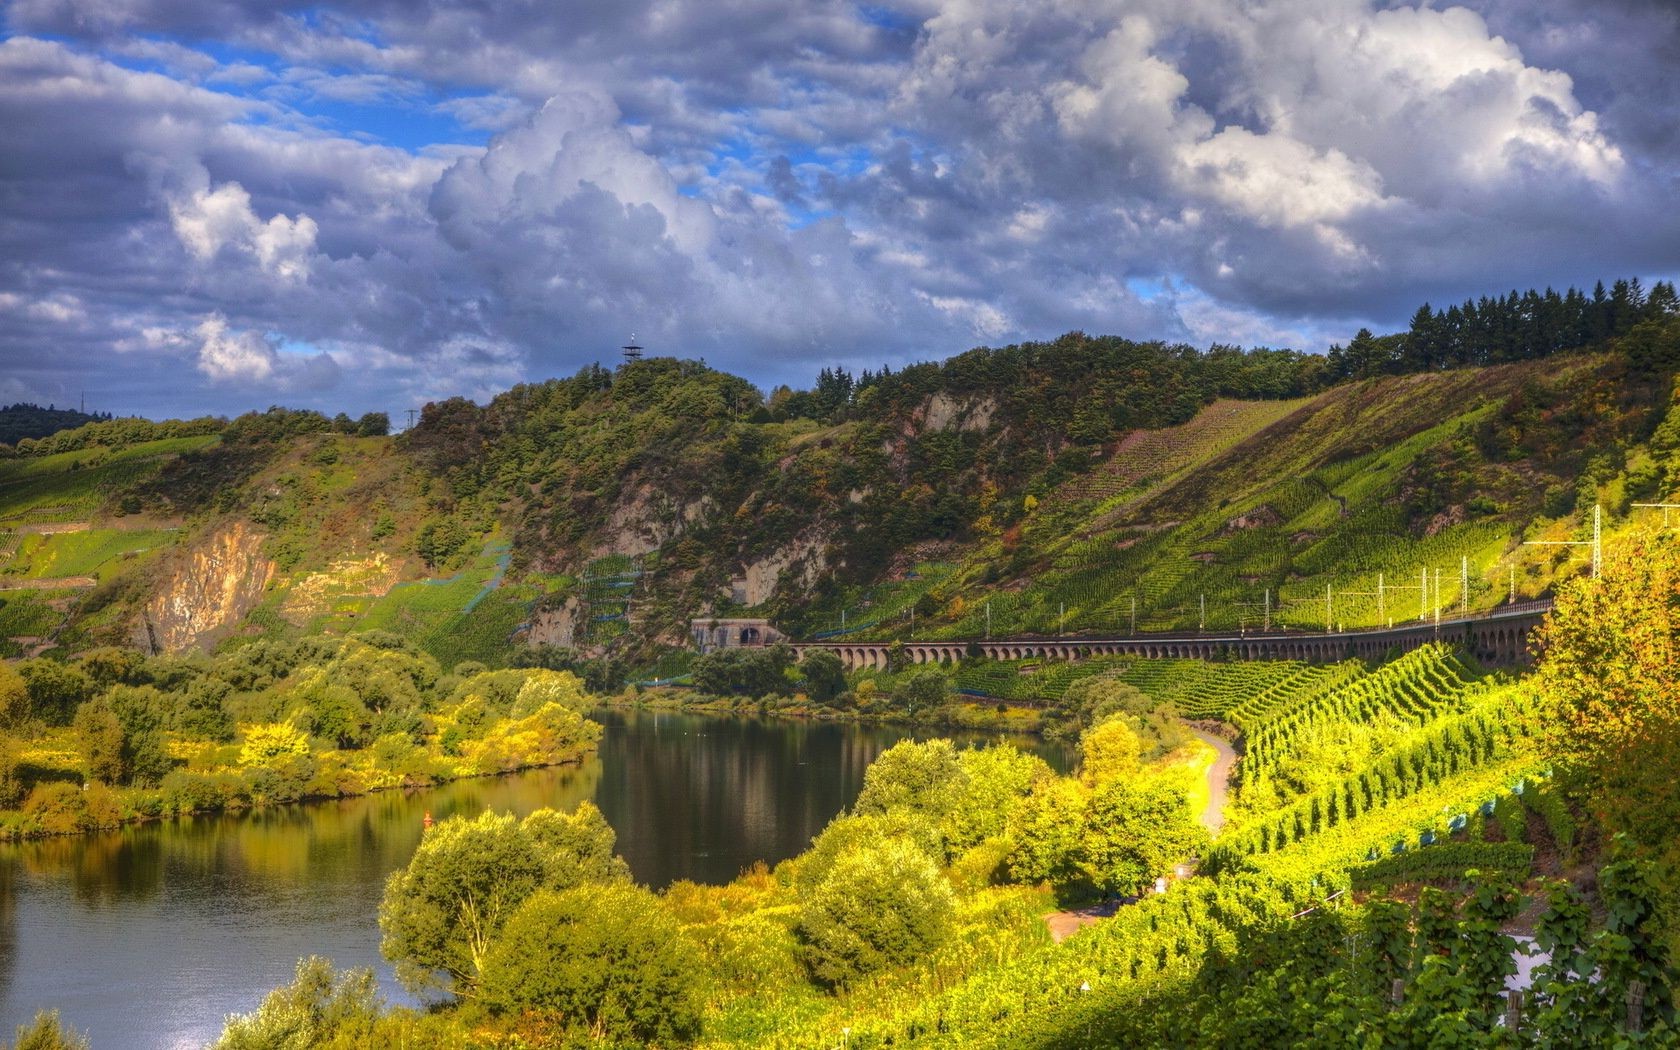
[148,937]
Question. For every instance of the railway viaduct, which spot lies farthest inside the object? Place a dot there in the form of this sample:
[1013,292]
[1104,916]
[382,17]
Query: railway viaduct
[1500,638]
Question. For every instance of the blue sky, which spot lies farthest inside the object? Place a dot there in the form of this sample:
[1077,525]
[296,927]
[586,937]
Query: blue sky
[223,205]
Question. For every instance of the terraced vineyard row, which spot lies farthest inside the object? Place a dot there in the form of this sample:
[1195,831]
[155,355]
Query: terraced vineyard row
[1441,753]
[1408,692]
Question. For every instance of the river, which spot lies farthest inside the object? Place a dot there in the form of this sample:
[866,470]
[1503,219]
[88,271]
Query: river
[149,936]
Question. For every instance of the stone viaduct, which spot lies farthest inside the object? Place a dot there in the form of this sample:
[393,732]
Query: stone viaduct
[1500,638]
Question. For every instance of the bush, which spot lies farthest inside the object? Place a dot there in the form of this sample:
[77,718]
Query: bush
[47,1032]
[11,778]
[59,808]
[608,959]
[317,1007]
[879,908]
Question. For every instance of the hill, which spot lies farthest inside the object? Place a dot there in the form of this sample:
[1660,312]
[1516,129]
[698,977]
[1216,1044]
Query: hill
[23,421]
[1081,485]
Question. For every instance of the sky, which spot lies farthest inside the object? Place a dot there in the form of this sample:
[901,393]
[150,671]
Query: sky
[212,206]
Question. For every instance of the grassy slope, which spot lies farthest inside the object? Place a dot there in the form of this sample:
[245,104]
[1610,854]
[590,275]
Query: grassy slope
[1286,496]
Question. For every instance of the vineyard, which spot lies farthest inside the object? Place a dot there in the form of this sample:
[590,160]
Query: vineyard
[1297,514]
[1339,762]
[470,615]
[71,485]
[90,552]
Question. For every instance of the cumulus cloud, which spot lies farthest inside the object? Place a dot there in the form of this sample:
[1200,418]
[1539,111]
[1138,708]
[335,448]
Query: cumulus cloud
[781,184]
[254,359]
[207,221]
[225,355]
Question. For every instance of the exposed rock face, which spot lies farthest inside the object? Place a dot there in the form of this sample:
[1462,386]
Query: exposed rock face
[647,520]
[555,626]
[218,581]
[764,575]
[943,411]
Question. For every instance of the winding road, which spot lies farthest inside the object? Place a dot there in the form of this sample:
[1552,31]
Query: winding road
[1219,780]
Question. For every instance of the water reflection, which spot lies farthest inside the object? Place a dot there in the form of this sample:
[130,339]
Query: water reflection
[149,936]
[8,927]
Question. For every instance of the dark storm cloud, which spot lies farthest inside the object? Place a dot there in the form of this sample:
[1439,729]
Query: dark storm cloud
[222,204]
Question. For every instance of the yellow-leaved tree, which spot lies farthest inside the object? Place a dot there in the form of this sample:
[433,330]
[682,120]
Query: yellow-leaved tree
[268,742]
[1608,717]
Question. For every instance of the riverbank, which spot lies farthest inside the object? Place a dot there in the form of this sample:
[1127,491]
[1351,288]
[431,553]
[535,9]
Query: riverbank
[60,803]
[966,713]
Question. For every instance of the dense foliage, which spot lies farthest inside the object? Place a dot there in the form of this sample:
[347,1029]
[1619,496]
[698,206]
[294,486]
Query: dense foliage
[264,723]
[24,420]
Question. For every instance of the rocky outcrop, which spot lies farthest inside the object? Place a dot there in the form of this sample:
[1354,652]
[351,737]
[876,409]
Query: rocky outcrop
[209,589]
[647,520]
[555,626]
[942,411]
[804,555]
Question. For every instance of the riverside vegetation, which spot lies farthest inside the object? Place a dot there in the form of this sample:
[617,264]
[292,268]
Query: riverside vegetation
[114,736]
[320,608]
[1392,831]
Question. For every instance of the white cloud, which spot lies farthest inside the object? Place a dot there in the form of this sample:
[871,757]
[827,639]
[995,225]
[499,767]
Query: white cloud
[774,184]
[227,355]
[207,221]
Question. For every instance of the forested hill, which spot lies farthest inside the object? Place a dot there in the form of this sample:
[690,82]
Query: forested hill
[22,421]
[1069,485]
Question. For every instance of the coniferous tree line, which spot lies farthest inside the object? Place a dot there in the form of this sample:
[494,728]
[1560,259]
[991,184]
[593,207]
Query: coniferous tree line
[1518,326]
[1502,329]
[25,420]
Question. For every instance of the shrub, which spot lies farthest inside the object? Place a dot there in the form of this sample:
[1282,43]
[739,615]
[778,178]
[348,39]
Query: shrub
[317,1007]
[608,959]
[879,908]
[47,1032]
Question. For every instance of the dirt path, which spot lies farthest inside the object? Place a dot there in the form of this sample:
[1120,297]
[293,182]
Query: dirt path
[57,583]
[1064,924]
[1219,779]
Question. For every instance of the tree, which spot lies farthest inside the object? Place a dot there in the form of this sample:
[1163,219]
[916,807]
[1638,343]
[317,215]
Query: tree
[47,1032]
[1048,830]
[825,675]
[337,715]
[923,691]
[1091,700]
[1136,831]
[318,1008]
[14,698]
[1109,751]
[919,776]
[994,782]
[99,739]
[744,672]
[608,960]
[142,712]
[440,914]
[1608,715]
[373,424]
[879,908]
[577,847]
[55,689]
